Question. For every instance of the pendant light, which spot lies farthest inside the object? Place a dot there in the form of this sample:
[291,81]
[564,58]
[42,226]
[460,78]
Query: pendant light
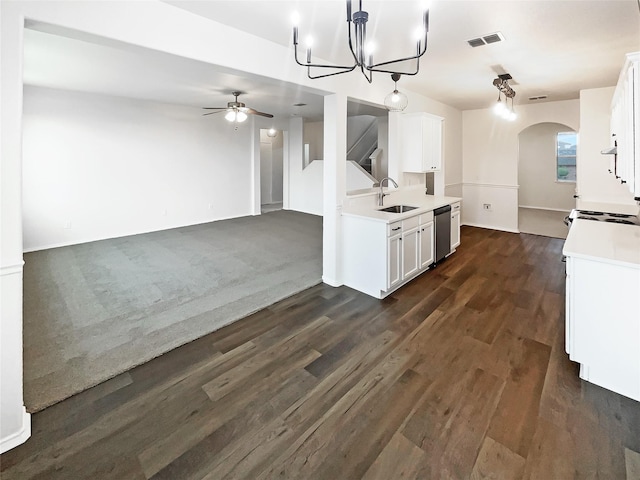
[502,108]
[396,101]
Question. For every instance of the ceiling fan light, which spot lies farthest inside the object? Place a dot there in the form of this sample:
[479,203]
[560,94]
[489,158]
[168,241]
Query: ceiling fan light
[230,116]
[241,117]
[272,132]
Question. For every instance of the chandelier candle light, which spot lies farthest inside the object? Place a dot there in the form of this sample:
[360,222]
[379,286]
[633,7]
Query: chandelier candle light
[359,47]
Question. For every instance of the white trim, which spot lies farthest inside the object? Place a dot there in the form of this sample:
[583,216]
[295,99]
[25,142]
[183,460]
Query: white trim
[447,185]
[19,437]
[12,269]
[546,208]
[491,227]
[490,185]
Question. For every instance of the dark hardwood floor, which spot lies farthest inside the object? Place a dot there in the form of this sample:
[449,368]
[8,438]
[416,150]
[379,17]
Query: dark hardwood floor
[462,373]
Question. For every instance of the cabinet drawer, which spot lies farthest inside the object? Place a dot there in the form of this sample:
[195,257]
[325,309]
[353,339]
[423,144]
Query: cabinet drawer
[394,228]
[409,223]
[426,218]
[455,207]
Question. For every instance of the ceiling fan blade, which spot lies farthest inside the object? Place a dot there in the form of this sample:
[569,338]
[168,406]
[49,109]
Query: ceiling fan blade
[255,112]
[214,108]
[212,113]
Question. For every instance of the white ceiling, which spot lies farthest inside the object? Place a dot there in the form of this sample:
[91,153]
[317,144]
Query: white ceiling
[554,48]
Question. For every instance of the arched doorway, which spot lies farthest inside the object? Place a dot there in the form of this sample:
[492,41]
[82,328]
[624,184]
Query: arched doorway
[546,178]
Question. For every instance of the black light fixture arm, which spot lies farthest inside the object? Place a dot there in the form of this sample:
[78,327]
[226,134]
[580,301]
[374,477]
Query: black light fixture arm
[357,33]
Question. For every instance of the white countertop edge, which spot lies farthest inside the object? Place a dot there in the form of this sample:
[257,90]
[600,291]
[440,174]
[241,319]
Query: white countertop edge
[604,242]
[429,203]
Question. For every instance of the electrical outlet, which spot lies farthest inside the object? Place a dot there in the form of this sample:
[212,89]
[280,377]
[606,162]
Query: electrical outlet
[486,206]
[164,212]
[211,206]
[67,224]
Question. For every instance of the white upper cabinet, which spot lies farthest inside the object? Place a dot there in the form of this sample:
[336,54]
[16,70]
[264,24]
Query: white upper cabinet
[625,124]
[421,142]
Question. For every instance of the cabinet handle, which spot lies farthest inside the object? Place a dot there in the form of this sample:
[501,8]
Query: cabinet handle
[394,229]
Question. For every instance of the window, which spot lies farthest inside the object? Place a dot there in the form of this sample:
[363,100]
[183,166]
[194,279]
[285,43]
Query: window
[566,145]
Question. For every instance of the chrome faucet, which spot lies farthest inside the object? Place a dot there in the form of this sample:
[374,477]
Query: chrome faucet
[381,194]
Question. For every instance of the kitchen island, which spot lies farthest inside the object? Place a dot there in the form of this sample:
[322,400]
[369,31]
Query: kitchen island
[382,250]
[603,304]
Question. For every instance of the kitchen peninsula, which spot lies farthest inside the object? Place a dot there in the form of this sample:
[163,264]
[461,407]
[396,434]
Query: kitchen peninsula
[384,250]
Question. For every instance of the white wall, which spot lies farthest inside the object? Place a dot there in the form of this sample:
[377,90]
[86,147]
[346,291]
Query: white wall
[383,144]
[537,169]
[313,136]
[595,183]
[490,159]
[98,167]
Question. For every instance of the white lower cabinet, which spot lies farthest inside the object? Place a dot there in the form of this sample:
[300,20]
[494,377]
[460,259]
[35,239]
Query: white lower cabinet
[380,257]
[427,245]
[455,225]
[394,261]
[603,323]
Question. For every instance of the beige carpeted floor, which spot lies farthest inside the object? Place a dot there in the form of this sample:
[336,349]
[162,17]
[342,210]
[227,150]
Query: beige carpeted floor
[547,223]
[95,310]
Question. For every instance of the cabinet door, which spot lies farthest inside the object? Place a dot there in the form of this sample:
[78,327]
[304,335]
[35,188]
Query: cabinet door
[410,253]
[432,144]
[426,245]
[567,309]
[394,261]
[421,144]
[455,229]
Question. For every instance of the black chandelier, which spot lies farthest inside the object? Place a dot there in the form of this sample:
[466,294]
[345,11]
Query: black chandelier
[357,28]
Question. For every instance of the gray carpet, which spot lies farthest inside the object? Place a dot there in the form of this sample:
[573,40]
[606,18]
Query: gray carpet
[94,310]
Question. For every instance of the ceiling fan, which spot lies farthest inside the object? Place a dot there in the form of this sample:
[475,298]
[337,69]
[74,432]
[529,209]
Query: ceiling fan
[236,111]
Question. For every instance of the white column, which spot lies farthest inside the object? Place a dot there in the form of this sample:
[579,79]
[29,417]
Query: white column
[15,425]
[335,154]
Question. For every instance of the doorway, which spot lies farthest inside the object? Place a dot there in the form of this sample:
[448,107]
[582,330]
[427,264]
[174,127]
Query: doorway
[547,178]
[271,168]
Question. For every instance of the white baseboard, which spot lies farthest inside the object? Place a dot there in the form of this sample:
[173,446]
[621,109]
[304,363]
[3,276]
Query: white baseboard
[331,282]
[19,437]
[491,227]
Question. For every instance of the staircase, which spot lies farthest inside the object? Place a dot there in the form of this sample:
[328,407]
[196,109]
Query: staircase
[364,146]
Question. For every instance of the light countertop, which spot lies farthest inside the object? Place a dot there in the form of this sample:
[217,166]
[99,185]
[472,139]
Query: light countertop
[414,198]
[603,241]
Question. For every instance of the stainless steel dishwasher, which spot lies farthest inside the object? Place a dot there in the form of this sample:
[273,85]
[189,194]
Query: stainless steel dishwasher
[442,222]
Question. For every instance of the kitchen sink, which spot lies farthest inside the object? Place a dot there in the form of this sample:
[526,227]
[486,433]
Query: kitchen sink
[397,209]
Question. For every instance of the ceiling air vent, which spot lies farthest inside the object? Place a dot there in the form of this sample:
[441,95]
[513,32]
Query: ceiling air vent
[476,42]
[493,38]
[486,39]
[539,97]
